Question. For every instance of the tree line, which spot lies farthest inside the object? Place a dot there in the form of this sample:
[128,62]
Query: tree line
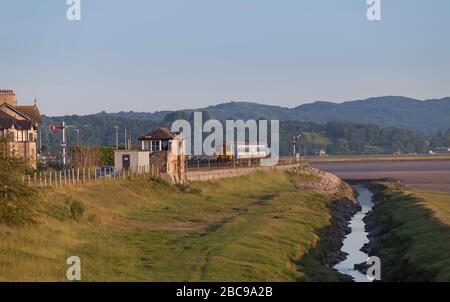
[334,138]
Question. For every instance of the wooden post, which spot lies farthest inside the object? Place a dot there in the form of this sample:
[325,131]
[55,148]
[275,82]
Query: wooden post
[29,180]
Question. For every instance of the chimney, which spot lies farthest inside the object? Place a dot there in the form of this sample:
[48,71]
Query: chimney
[8,96]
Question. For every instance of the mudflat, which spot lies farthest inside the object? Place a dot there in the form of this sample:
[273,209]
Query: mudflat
[429,175]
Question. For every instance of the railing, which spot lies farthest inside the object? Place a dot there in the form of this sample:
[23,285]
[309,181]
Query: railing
[212,164]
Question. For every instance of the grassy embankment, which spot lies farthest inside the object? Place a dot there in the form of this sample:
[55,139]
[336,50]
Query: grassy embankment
[258,227]
[414,235]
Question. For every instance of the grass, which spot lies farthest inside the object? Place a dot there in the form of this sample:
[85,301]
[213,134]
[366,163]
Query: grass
[317,138]
[257,227]
[415,243]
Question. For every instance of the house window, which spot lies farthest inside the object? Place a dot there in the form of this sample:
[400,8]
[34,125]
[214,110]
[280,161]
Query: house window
[31,137]
[155,146]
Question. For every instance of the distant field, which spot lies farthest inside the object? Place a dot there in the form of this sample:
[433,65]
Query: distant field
[258,227]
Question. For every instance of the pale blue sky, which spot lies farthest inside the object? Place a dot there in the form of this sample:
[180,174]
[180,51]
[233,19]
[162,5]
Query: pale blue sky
[147,55]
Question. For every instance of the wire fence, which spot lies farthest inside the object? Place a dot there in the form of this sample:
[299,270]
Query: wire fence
[82,176]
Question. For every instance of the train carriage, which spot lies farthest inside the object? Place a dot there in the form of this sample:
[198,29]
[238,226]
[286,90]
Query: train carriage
[235,151]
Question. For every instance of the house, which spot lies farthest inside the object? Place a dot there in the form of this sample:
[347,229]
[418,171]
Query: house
[18,127]
[322,153]
[167,151]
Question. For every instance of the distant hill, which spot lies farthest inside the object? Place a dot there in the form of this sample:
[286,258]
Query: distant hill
[356,127]
[430,116]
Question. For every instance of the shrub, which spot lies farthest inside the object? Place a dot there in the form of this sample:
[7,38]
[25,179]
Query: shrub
[70,209]
[17,201]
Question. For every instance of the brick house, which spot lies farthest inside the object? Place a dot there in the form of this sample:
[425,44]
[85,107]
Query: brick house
[167,151]
[18,128]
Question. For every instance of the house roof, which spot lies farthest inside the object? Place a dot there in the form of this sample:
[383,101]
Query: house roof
[163,134]
[32,112]
[29,112]
[7,122]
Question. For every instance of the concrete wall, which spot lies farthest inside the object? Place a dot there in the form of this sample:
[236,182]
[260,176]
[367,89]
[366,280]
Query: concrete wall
[137,159]
[225,173]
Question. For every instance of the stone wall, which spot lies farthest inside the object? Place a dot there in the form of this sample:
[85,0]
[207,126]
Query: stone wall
[205,175]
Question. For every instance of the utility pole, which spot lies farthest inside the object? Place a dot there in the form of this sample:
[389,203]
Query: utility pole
[63,145]
[117,137]
[78,137]
[40,139]
[130,143]
[126,139]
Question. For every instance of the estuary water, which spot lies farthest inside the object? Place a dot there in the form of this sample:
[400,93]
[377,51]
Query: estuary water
[354,241]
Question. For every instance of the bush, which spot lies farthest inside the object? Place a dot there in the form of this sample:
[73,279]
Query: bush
[70,209]
[17,201]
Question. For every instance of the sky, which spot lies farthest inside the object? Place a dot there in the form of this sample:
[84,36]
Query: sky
[148,55]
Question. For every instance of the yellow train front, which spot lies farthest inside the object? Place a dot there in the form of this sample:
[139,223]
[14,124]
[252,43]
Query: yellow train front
[224,152]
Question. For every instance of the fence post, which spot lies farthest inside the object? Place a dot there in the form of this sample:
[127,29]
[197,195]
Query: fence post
[29,180]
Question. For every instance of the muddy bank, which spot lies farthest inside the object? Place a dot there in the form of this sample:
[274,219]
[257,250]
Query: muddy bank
[342,207]
[405,236]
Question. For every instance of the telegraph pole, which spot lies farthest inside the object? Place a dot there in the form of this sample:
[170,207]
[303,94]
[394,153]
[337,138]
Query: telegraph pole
[40,139]
[78,137]
[126,142]
[117,137]
[64,145]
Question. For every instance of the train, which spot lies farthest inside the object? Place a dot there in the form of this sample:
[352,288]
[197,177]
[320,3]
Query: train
[236,151]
